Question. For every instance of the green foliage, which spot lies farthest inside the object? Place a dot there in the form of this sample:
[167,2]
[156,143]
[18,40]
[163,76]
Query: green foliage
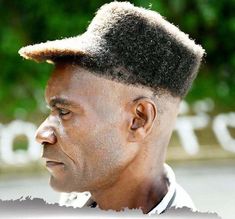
[210,22]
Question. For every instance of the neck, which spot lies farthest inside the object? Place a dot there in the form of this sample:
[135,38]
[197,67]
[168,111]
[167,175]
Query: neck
[142,185]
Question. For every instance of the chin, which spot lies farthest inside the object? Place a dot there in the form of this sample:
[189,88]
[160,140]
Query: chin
[60,185]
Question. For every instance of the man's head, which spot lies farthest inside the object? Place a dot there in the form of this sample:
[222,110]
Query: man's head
[97,127]
[114,96]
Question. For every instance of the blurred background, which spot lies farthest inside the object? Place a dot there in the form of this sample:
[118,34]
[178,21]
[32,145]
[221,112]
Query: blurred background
[202,148]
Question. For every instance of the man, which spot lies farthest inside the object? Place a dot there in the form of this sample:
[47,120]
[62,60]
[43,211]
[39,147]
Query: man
[114,97]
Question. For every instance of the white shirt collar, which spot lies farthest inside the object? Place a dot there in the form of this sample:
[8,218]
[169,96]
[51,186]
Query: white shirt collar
[169,195]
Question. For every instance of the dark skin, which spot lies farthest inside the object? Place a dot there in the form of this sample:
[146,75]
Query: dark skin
[107,138]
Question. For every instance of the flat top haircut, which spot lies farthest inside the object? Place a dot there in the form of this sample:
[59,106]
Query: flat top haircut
[131,45]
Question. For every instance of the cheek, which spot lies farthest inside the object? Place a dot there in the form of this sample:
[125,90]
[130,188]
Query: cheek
[105,150]
[83,137]
[108,159]
[105,156]
[99,150]
[107,144]
[102,140]
[70,139]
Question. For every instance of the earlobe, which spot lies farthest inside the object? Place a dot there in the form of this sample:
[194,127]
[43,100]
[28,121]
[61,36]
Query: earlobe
[144,114]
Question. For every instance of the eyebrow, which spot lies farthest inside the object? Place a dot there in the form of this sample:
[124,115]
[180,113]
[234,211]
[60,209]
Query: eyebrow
[62,101]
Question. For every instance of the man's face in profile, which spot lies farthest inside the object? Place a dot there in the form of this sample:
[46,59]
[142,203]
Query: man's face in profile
[85,135]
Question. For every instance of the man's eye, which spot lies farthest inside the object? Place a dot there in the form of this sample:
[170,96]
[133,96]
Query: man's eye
[63,112]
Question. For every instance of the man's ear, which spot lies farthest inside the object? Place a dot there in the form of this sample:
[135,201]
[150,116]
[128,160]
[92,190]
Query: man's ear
[144,113]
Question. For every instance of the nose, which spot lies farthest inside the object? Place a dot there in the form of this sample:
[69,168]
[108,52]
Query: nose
[45,133]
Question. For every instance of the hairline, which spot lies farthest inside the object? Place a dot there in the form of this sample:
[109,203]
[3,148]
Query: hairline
[157,96]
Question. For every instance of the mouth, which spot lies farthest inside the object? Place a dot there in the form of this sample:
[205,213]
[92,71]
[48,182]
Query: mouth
[53,164]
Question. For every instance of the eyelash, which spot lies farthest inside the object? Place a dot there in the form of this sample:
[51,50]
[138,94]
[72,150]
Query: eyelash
[63,112]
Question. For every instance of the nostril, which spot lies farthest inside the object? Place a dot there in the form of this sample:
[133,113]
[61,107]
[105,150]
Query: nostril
[46,136]
[43,143]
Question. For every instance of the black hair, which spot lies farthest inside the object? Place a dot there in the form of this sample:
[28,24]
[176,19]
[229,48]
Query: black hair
[132,45]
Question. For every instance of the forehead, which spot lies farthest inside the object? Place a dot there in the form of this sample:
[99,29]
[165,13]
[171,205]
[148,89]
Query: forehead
[76,83]
[67,78]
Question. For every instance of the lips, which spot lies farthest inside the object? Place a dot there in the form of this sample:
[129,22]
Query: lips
[50,163]
[53,164]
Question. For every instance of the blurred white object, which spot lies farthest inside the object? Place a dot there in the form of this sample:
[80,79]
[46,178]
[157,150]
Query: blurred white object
[205,105]
[185,126]
[9,133]
[220,127]
[75,199]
